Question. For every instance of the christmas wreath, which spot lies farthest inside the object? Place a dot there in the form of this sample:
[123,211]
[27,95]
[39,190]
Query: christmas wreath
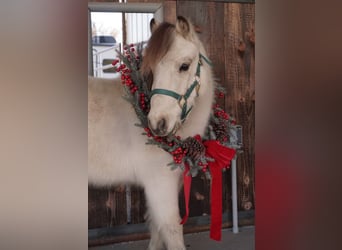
[189,151]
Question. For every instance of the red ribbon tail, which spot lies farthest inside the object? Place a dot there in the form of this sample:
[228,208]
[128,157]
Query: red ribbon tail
[216,203]
[187,185]
[222,156]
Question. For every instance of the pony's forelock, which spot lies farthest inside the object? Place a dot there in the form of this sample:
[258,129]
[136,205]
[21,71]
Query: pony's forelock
[157,47]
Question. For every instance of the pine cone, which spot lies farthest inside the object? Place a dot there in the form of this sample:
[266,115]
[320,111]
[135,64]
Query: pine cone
[194,148]
[220,130]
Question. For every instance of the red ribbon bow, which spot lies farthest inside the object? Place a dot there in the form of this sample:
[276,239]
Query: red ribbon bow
[222,156]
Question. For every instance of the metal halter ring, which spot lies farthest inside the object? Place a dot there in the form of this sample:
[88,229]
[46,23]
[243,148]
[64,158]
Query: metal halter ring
[181,101]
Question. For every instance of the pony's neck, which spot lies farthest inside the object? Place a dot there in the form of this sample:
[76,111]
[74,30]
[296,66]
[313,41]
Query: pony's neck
[197,120]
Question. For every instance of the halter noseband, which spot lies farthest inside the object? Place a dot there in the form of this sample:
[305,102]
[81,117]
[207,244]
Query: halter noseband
[182,99]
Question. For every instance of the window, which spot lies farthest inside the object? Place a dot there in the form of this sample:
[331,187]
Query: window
[112,25]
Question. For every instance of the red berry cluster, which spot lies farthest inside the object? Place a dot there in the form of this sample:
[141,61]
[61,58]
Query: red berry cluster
[126,78]
[148,132]
[221,114]
[178,155]
[220,94]
[143,101]
[221,127]
[126,47]
[125,72]
[203,166]
[158,139]
[129,50]
[115,62]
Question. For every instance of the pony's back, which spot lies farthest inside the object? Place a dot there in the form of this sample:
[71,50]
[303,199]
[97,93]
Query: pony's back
[110,124]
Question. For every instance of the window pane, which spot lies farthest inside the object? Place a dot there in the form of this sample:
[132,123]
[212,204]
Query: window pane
[107,24]
[138,27]
[106,39]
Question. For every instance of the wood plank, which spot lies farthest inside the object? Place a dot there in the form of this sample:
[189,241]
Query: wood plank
[106,207]
[240,85]
[138,205]
[169,9]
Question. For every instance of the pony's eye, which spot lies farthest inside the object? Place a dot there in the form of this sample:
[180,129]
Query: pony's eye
[184,67]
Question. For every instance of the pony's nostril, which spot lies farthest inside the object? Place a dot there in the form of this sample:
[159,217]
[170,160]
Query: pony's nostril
[158,129]
[161,126]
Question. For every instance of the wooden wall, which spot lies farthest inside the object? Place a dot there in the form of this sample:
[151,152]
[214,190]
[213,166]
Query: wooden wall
[227,31]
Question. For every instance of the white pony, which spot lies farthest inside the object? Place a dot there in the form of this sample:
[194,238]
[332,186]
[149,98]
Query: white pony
[116,147]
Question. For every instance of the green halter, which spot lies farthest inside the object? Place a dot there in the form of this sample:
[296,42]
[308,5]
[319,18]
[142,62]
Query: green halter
[183,99]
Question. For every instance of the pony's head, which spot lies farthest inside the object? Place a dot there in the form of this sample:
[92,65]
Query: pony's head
[172,60]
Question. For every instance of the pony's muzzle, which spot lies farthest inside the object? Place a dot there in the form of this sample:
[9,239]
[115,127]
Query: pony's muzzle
[160,129]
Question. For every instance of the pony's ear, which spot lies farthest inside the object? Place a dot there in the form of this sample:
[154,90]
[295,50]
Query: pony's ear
[153,25]
[184,27]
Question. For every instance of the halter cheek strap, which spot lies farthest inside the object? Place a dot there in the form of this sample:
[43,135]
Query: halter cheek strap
[183,99]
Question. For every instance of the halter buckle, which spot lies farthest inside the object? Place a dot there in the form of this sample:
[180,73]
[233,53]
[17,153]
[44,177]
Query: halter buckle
[198,86]
[181,101]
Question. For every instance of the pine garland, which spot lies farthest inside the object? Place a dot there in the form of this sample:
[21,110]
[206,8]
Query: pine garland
[189,150]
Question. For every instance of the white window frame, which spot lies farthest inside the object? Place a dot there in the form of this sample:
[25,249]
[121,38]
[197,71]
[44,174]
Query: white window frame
[156,8]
